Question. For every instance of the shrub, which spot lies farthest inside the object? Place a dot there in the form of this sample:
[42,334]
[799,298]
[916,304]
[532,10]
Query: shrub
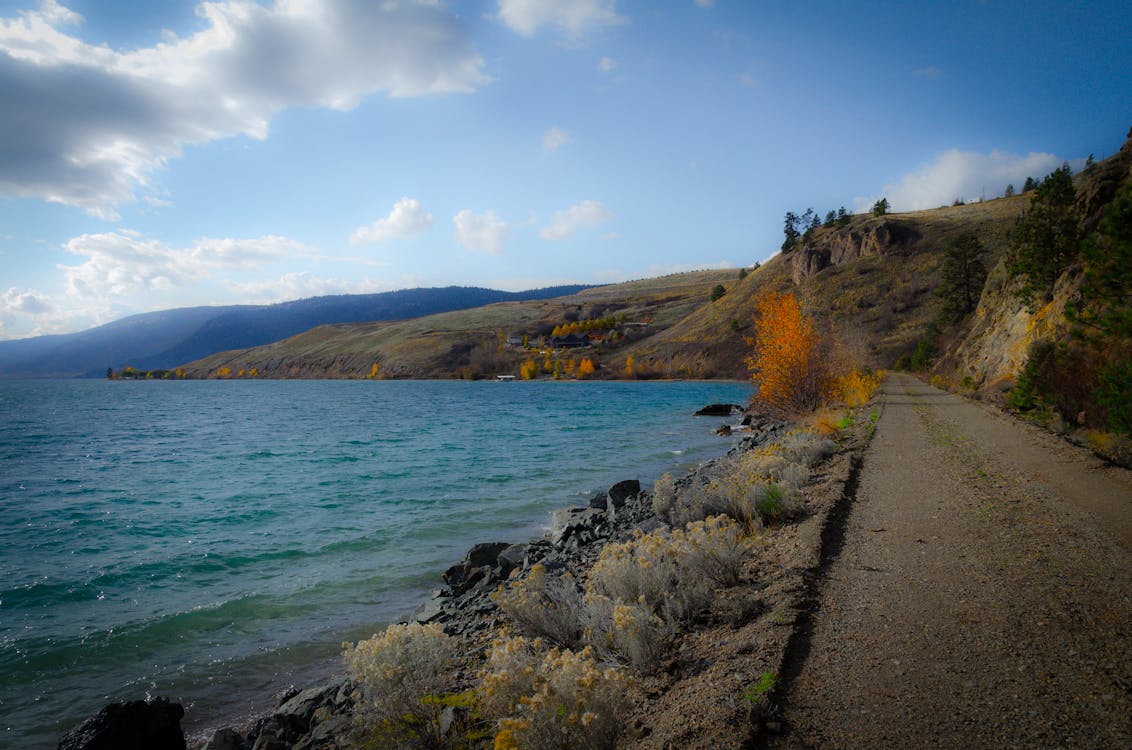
[738,486]
[630,633]
[714,548]
[401,675]
[645,569]
[560,699]
[545,606]
[856,388]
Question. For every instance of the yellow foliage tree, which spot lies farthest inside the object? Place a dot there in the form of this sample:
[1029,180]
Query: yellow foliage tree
[585,368]
[224,371]
[629,371]
[373,372]
[787,360]
[528,370]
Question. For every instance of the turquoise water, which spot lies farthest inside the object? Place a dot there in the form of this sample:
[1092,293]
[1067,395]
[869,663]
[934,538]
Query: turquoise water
[217,541]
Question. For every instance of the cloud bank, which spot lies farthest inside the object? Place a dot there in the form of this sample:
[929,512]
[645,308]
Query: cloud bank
[962,175]
[118,264]
[87,126]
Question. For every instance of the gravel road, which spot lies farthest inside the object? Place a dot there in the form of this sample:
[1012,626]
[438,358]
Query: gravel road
[982,596]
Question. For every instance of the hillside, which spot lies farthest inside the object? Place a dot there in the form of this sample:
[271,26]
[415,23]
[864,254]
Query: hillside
[468,343]
[165,339]
[871,282]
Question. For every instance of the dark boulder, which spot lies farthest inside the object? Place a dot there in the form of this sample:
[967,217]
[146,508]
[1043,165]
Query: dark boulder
[477,566]
[623,491]
[134,725]
[719,410]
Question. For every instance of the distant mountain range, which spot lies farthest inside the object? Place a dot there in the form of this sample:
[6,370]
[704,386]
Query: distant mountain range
[169,338]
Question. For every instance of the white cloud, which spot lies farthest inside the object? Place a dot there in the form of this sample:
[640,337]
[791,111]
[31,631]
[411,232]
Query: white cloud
[962,174]
[484,232]
[574,17]
[25,302]
[120,263]
[407,217]
[606,64]
[86,125]
[58,15]
[303,284]
[585,215]
[706,3]
[554,138]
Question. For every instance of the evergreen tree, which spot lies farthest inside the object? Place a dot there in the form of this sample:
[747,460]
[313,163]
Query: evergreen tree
[1046,238]
[963,273]
[1010,190]
[718,291]
[880,208]
[1031,184]
[1106,289]
[790,229]
[830,217]
[843,217]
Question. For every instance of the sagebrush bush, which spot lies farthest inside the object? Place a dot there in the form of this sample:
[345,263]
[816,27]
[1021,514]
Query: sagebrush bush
[401,676]
[629,633]
[545,606]
[641,592]
[557,699]
[646,569]
[715,548]
[746,486]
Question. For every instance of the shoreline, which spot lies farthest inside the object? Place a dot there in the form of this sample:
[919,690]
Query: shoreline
[257,706]
[314,716]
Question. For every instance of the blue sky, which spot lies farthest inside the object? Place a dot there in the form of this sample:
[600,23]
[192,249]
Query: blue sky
[157,155]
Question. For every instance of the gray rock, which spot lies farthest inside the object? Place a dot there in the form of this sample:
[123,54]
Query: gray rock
[512,557]
[227,739]
[622,491]
[430,611]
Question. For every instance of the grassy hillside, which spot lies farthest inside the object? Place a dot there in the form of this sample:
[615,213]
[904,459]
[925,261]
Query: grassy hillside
[468,343]
[871,283]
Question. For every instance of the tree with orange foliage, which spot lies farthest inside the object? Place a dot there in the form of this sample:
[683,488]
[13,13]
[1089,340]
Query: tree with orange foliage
[787,360]
[585,368]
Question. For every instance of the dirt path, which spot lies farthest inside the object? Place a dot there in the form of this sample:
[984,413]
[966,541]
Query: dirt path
[982,595]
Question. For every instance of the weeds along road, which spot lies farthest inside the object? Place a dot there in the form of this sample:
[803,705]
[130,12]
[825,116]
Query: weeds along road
[981,596]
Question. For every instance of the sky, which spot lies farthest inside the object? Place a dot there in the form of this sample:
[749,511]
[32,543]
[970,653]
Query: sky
[183,153]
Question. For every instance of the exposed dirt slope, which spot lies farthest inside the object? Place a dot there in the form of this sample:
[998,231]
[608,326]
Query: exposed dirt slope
[982,597]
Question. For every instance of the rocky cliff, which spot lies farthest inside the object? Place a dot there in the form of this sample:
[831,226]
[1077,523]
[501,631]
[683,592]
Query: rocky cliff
[994,346]
[862,239]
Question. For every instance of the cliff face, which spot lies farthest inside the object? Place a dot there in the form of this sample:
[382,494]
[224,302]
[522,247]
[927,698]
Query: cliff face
[1002,329]
[834,247]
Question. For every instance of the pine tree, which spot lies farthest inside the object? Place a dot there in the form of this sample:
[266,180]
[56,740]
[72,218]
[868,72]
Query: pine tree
[1106,289]
[963,273]
[1047,237]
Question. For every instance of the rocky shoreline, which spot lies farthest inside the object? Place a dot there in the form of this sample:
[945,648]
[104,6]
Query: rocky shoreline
[322,716]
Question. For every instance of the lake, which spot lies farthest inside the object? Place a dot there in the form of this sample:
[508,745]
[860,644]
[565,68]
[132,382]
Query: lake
[217,541]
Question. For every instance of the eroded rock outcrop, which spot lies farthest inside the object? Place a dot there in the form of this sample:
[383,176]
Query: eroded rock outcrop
[842,245]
